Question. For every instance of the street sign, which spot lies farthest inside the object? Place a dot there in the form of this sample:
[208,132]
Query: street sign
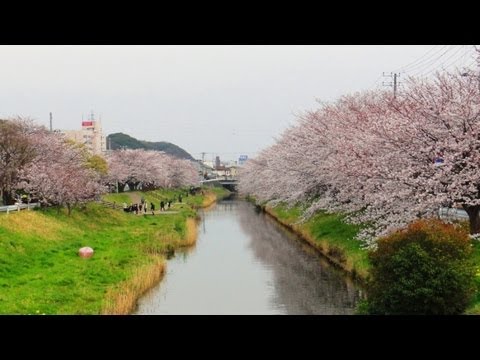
[242,159]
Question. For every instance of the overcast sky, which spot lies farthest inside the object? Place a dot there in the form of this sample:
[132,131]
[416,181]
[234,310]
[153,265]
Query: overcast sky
[222,100]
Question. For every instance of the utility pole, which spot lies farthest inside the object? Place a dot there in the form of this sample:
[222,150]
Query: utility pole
[51,122]
[395,83]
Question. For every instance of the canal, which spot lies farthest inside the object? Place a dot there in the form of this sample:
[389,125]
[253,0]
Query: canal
[244,262]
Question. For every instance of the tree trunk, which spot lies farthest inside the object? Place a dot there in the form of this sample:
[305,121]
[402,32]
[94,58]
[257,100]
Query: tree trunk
[69,207]
[473,212]
[6,197]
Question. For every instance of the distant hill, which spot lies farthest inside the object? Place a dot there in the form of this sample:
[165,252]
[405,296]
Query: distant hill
[120,140]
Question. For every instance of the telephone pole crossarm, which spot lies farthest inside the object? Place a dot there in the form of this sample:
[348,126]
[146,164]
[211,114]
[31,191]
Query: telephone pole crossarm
[395,83]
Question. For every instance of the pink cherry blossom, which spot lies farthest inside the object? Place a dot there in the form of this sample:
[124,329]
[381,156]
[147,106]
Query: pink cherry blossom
[380,160]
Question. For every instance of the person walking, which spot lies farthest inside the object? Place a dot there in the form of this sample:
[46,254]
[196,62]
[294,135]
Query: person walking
[152,207]
[162,205]
[145,207]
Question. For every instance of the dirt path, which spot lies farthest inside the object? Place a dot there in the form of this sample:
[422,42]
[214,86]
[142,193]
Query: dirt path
[135,197]
[167,212]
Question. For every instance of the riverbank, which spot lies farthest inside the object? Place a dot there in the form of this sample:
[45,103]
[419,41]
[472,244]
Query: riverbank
[41,272]
[329,235]
[334,239]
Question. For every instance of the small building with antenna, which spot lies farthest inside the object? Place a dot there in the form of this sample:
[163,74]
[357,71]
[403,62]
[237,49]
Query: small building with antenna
[90,135]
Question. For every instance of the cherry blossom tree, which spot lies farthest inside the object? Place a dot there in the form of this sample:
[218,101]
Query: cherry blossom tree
[383,161]
[181,172]
[154,169]
[133,167]
[58,174]
[16,150]
[442,121]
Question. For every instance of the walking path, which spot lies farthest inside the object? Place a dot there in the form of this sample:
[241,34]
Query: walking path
[167,212]
[136,199]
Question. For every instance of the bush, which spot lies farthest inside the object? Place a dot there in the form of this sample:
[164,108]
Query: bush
[424,269]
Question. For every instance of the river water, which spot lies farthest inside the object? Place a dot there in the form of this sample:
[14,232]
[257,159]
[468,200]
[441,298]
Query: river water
[246,263]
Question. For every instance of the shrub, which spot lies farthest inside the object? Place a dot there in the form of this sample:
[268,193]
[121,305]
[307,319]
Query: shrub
[423,269]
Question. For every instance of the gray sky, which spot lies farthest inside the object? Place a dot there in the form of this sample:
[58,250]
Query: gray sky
[223,100]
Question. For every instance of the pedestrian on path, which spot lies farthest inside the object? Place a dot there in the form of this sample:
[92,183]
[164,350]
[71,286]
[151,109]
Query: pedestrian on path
[152,207]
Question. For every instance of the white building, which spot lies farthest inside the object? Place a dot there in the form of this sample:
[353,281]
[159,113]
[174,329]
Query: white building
[90,135]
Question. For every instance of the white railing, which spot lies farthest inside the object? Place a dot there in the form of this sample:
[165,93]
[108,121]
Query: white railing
[452,214]
[18,207]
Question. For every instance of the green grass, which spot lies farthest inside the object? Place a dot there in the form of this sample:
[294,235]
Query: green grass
[474,307]
[119,198]
[290,215]
[220,192]
[330,233]
[40,271]
[331,228]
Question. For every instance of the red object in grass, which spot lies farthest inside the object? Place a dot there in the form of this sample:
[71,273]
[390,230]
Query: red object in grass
[85,252]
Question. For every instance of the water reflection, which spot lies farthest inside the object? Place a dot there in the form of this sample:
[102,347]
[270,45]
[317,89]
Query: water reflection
[245,263]
[304,282]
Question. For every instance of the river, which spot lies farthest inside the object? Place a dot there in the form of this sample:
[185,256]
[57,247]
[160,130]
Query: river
[244,262]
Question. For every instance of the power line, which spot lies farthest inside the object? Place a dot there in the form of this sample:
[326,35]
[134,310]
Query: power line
[445,67]
[471,63]
[376,81]
[425,62]
[426,66]
[415,61]
[416,64]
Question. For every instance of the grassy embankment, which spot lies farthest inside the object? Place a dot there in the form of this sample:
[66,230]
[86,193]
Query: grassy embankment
[334,239]
[41,273]
[474,307]
[328,234]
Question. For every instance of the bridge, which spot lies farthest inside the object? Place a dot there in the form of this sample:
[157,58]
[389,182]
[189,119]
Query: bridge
[229,183]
